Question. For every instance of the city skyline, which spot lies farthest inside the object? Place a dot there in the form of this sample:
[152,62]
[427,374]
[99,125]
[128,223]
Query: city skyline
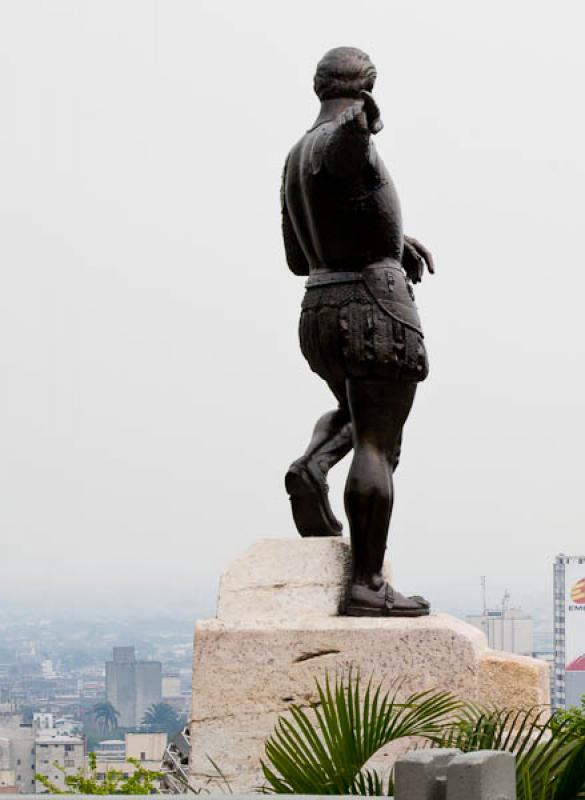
[118,487]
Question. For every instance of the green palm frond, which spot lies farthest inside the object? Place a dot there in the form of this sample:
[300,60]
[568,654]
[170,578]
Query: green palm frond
[550,758]
[324,751]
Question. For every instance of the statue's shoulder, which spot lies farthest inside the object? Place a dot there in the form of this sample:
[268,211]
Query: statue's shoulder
[344,134]
[308,150]
[314,144]
[321,137]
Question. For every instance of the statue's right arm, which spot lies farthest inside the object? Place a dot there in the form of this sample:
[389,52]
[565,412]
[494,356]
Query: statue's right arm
[295,257]
[346,148]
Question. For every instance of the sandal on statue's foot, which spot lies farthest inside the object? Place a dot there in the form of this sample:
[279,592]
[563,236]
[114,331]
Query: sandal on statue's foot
[384,602]
[309,501]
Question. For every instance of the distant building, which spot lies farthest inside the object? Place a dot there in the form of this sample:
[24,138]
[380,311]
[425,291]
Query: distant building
[17,754]
[47,669]
[111,750]
[7,773]
[66,751]
[506,628]
[171,687]
[43,721]
[27,749]
[48,725]
[147,748]
[569,630]
[132,686]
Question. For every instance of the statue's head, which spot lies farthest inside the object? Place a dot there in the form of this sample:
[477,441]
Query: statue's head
[344,72]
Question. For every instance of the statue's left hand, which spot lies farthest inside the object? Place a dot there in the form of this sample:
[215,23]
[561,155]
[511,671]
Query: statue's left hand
[414,258]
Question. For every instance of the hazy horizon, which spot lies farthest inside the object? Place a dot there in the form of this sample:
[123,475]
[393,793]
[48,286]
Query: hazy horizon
[153,391]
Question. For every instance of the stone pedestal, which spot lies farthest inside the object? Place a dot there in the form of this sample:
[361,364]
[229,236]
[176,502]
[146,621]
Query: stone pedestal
[277,629]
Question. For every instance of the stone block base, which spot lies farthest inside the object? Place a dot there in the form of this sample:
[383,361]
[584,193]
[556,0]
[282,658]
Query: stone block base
[246,673]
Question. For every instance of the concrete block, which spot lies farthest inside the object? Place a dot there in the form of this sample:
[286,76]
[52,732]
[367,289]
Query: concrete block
[483,775]
[422,774]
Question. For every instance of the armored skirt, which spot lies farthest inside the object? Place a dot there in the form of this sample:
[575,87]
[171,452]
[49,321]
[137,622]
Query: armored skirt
[345,333]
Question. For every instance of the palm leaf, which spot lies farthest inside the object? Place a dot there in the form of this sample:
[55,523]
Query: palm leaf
[550,758]
[324,751]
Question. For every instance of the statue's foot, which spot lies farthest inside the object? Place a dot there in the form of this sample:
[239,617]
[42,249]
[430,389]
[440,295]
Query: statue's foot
[384,602]
[308,491]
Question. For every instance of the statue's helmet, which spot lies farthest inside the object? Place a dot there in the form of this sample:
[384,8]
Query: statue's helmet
[344,72]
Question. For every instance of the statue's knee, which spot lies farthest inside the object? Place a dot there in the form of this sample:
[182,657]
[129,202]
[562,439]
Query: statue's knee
[370,485]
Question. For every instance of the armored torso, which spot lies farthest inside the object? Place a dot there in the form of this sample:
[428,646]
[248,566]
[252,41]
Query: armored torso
[342,227]
[343,219]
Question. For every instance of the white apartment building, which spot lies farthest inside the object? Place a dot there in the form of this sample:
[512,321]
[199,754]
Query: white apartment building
[508,629]
[17,754]
[66,751]
[147,748]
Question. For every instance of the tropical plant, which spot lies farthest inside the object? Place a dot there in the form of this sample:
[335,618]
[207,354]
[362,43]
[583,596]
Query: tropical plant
[326,752]
[549,748]
[162,717]
[105,716]
[574,718]
[141,781]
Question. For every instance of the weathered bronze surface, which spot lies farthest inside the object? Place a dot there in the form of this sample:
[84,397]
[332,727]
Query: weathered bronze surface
[359,328]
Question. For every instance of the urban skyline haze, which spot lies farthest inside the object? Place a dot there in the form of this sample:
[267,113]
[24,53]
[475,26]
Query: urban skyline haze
[153,392]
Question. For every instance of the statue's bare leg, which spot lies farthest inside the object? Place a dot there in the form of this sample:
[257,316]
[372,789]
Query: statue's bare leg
[394,454]
[306,479]
[379,410]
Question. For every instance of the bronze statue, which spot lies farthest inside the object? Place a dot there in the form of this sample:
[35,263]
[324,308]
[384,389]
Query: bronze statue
[359,327]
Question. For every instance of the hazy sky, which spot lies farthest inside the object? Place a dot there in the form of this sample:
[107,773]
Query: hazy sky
[153,392]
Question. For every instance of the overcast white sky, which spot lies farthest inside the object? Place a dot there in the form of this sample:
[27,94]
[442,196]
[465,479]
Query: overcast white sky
[152,388]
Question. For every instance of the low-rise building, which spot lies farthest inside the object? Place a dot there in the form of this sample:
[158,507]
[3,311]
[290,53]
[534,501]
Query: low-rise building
[17,748]
[146,748]
[57,757]
[7,773]
[113,750]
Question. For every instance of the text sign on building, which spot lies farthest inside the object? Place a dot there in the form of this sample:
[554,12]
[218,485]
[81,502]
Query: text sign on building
[574,614]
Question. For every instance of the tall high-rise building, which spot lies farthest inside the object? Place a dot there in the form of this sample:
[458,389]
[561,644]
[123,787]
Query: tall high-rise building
[569,630]
[132,686]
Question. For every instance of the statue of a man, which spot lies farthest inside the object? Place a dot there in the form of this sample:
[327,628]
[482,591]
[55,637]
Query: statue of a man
[359,328]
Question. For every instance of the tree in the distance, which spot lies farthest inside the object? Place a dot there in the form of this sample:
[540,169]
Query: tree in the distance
[162,717]
[105,716]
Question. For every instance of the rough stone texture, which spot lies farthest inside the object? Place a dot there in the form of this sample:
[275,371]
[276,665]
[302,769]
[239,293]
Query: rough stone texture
[507,679]
[249,666]
[279,579]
